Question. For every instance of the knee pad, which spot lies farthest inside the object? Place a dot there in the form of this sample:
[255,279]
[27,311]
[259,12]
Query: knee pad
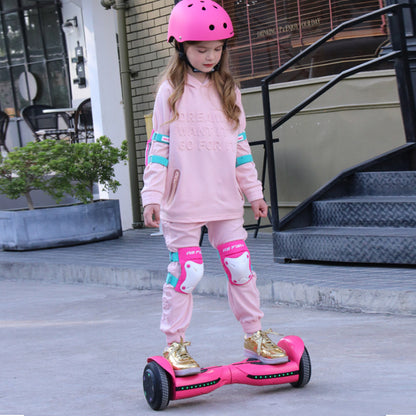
[192,269]
[235,259]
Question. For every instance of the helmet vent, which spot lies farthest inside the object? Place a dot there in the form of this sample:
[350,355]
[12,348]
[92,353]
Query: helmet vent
[203,8]
[225,25]
[211,27]
[190,5]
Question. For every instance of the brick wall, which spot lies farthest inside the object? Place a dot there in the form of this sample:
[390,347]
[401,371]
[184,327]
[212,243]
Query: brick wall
[146,25]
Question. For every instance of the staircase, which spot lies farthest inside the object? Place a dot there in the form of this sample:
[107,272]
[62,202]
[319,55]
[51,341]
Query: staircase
[365,215]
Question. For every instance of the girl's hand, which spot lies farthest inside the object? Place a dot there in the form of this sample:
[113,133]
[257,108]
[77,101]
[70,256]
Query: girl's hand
[259,208]
[151,215]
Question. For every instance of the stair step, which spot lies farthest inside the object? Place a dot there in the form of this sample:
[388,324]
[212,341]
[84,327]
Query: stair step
[377,211]
[395,245]
[384,183]
[367,231]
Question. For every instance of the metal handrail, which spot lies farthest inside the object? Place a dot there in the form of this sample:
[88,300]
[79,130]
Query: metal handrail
[331,83]
[328,36]
[399,51]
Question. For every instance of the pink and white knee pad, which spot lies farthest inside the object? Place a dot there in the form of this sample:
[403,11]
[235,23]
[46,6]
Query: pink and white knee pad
[235,259]
[192,269]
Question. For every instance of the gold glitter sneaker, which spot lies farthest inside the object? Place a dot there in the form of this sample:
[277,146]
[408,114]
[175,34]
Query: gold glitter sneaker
[260,346]
[183,364]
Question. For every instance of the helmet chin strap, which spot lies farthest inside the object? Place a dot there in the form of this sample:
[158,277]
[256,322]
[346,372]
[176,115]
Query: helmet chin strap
[216,67]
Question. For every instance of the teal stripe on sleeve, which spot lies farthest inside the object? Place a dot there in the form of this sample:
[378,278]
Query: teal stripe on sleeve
[161,138]
[241,137]
[243,159]
[159,159]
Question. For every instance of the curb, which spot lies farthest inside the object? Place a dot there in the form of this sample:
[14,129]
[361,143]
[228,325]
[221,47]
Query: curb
[384,301]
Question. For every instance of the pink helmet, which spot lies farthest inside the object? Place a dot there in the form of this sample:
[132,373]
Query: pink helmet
[199,20]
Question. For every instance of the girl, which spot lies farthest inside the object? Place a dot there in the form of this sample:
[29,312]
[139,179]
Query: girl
[199,167]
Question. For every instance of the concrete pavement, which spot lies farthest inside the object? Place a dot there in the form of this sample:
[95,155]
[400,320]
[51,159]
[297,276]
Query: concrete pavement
[138,261]
[79,350]
[68,348]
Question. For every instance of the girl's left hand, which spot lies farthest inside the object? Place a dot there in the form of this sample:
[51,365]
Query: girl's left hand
[151,215]
[259,208]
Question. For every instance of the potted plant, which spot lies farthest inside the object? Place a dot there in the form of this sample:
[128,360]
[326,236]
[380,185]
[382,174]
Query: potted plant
[58,167]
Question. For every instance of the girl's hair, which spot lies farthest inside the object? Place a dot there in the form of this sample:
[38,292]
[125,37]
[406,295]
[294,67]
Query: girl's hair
[225,84]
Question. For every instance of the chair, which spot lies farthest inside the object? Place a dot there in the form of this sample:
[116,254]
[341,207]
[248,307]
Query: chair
[45,126]
[4,122]
[83,123]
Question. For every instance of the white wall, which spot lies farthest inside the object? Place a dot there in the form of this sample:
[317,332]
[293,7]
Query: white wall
[97,32]
[71,9]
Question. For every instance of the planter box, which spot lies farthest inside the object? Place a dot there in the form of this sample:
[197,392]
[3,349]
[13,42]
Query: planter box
[60,226]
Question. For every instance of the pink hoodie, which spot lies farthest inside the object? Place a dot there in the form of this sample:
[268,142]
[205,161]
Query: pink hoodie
[199,165]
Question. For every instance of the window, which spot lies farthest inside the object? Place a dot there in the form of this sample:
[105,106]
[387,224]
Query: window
[270,32]
[33,58]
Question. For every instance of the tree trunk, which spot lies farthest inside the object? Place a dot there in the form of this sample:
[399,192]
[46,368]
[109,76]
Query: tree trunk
[29,200]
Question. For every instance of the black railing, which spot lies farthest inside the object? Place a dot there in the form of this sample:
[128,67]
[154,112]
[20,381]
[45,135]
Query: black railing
[406,92]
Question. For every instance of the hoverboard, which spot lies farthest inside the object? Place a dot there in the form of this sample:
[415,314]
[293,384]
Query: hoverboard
[160,384]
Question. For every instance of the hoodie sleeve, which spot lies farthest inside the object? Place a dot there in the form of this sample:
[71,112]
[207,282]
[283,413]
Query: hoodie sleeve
[246,171]
[154,176]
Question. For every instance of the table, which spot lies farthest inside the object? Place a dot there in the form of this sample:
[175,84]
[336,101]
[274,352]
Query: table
[70,112]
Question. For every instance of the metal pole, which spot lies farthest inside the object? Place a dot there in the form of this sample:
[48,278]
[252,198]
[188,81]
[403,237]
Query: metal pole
[408,79]
[120,6]
[403,38]
[270,155]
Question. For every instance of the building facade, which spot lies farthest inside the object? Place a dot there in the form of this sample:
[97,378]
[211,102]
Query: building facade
[357,120]
[353,122]
[40,47]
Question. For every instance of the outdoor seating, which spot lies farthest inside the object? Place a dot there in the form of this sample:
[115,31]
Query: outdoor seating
[83,122]
[47,125]
[4,122]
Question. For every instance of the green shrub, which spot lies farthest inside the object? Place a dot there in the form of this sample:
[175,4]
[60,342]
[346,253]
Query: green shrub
[58,168]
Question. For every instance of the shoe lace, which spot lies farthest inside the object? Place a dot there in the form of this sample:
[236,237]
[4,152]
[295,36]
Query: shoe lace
[181,351]
[265,340]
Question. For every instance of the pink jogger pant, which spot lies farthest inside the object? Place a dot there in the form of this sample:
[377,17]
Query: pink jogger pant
[244,300]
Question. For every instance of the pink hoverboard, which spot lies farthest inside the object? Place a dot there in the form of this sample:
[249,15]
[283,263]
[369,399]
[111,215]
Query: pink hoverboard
[160,384]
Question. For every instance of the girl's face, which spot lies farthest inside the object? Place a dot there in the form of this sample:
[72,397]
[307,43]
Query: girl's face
[203,56]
